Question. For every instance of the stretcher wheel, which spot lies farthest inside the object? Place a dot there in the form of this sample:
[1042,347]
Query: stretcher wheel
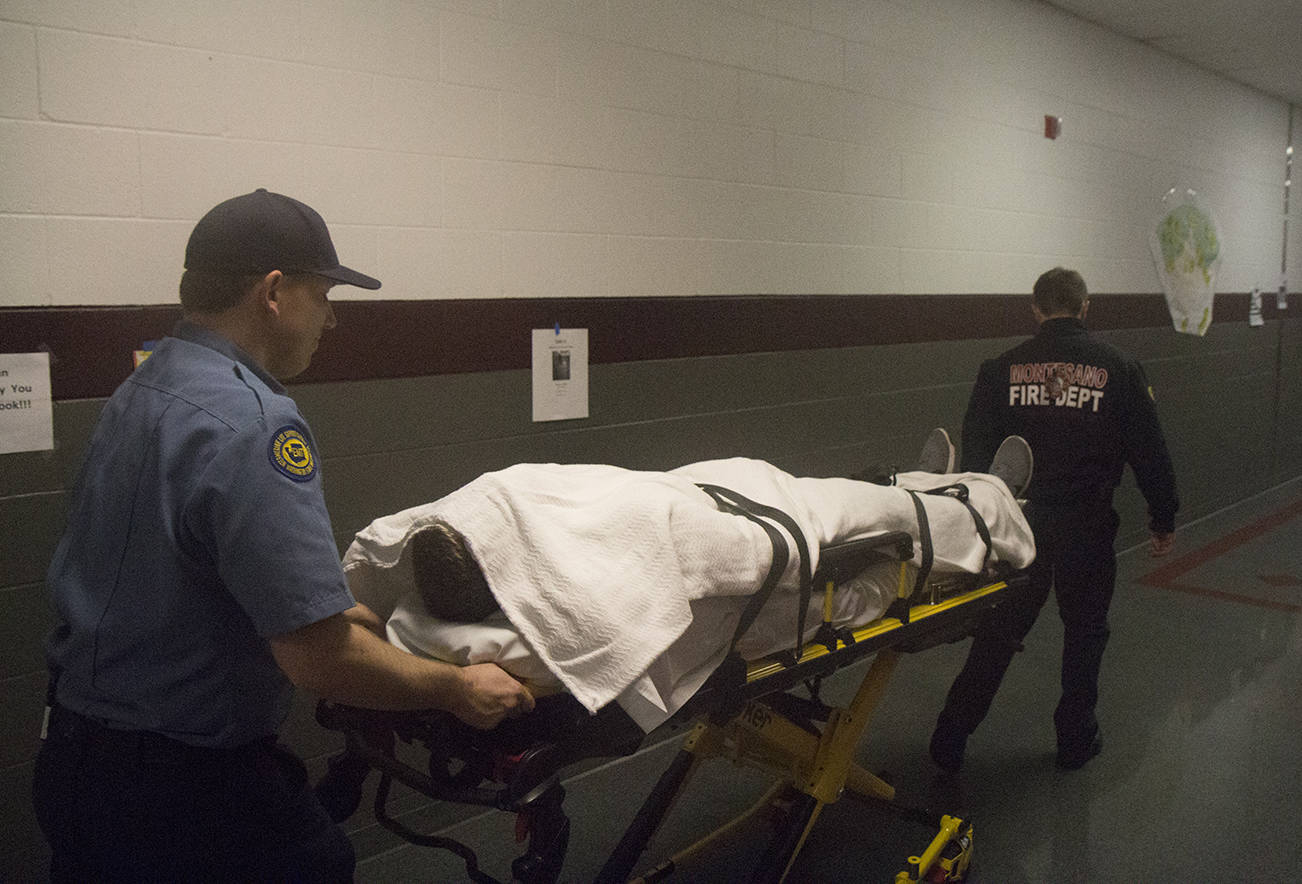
[542,864]
[793,812]
[541,818]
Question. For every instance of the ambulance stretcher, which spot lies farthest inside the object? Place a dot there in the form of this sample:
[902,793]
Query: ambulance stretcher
[747,712]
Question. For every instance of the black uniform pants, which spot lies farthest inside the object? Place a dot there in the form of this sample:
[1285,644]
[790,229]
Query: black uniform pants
[1075,558]
[136,806]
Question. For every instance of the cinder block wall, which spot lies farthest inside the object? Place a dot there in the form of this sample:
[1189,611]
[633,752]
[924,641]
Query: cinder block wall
[500,148]
[484,148]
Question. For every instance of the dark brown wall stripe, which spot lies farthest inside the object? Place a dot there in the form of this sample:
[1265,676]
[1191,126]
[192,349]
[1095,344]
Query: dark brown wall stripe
[91,346]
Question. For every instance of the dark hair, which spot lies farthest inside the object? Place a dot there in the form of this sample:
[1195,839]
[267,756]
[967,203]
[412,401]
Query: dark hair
[209,291]
[1059,292]
[448,579]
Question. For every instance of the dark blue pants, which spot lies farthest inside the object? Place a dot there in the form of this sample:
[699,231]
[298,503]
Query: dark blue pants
[1075,558]
[137,807]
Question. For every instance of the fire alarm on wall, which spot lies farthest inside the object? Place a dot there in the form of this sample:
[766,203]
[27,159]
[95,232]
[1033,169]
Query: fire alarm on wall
[1052,126]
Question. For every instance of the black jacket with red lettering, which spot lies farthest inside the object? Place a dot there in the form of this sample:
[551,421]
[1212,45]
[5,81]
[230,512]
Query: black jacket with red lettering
[1085,408]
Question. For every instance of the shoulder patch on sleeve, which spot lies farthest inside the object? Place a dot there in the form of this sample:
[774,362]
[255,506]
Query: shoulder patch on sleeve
[291,455]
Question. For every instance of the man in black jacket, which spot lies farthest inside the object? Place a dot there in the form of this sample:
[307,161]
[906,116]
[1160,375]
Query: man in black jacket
[1087,410]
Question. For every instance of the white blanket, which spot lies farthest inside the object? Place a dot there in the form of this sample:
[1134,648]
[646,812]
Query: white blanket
[626,584]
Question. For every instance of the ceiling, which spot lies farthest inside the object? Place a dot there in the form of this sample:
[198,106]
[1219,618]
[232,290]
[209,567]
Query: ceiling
[1255,42]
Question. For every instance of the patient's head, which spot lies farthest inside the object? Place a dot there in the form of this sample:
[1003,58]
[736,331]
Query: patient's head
[448,578]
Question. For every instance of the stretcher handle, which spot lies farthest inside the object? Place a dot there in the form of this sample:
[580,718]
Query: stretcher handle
[839,562]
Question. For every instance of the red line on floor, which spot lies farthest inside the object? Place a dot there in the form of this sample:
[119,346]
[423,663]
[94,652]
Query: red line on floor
[1219,547]
[1165,576]
[1223,596]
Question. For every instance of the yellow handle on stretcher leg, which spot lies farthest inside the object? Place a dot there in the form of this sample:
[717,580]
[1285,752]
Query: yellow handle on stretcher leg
[924,867]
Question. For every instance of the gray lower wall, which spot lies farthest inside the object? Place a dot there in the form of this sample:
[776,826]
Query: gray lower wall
[1231,404]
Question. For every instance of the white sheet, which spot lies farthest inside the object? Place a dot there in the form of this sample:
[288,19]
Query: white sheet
[627,585]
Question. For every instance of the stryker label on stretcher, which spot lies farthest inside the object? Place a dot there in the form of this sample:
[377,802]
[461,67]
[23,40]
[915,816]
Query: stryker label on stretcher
[627,585]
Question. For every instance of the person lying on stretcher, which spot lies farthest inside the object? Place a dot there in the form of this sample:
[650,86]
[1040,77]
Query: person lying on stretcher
[627,585]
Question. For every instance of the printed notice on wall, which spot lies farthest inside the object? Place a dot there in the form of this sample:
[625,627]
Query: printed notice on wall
[26,415]
[560,373]
[1255,317]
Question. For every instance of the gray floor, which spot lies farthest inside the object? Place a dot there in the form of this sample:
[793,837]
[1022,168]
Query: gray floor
[1200,779]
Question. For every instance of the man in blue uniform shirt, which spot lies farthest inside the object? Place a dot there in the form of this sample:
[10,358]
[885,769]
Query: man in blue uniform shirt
[1087,411]
[198,582]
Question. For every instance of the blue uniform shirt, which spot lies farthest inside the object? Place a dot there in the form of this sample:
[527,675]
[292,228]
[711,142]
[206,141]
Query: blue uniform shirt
[197,530]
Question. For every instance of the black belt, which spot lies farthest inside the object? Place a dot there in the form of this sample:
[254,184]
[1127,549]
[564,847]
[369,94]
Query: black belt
[66,727]
[900,607]
[763,515]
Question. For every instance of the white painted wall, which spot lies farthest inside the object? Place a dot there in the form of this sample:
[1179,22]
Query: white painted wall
[522,148]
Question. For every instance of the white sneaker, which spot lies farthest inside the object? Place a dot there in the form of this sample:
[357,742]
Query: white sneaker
[1014,463]
[937,454]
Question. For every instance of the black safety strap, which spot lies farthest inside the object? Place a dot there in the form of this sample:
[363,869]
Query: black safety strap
[982,530]
[900,607]
[732,502]
[960,493]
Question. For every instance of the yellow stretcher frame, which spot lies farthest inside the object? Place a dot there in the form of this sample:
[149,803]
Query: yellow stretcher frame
[813,770]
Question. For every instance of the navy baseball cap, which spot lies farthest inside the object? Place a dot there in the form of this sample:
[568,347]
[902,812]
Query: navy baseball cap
[264,231]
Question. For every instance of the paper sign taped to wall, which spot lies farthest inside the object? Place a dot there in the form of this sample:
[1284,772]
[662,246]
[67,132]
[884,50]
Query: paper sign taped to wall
[26,413]
[560,373]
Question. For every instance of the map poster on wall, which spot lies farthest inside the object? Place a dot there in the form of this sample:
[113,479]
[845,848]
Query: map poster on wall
[560,373]
[26,412]
[1187,250]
